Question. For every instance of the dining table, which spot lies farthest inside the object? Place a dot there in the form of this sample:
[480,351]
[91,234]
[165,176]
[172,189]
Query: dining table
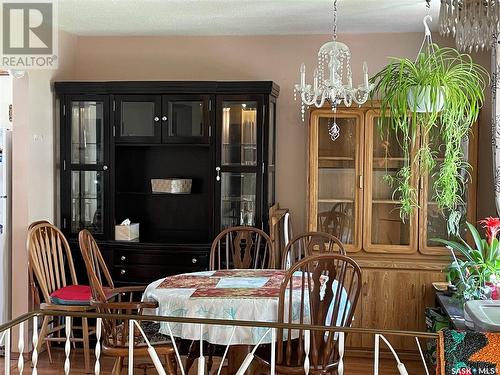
[233,294]
[229,294]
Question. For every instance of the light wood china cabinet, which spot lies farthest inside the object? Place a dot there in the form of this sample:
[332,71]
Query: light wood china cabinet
[349,197]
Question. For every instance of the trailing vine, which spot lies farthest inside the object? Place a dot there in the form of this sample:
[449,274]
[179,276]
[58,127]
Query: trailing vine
[438,73]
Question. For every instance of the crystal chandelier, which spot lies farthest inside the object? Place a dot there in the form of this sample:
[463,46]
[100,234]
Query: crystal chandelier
[472,22]
[334,59]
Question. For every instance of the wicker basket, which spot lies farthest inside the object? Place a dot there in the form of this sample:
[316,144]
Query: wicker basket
[171,185]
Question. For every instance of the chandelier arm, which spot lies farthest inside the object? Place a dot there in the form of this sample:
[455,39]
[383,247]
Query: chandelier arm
[363,99]
[313,101]
[322,102]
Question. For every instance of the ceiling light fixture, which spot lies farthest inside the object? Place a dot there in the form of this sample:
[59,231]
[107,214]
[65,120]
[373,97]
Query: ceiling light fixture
[334,68]
[473,23]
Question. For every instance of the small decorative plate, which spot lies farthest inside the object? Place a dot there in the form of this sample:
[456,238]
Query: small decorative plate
[440,286]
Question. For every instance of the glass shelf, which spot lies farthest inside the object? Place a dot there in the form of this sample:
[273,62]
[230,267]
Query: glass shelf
[335,200]
[348,158]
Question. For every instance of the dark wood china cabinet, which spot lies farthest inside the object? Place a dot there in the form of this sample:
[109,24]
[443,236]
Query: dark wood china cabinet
[118,136]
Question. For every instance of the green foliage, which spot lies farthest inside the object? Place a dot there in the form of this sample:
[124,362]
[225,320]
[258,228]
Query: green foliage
[440,71]
[480,264]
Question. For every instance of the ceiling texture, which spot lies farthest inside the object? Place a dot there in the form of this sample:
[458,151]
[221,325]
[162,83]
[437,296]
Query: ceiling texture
[240,17]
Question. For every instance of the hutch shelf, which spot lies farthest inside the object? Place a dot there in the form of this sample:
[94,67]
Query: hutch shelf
[349,198]
[118,136]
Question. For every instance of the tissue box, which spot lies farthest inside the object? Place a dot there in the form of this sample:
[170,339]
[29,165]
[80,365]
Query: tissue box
[127,232]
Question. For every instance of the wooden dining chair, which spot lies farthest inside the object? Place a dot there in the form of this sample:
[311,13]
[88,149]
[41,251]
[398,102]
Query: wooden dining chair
[50,258]
[34,292]
[241,247]
[235,247]
[115,331]
[310,243]
[319,290]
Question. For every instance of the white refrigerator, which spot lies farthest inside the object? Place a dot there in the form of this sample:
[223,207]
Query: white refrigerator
[5,225]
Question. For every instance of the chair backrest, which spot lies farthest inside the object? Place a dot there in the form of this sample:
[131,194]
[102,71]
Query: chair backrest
[318,290]
[114,331]
[241,247]
[337,221]
[280,231]
[89,247]
[35,294]
[49,256]
[310,243]
[35,223]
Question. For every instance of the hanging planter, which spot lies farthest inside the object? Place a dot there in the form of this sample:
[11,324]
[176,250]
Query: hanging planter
[441,89]
[423,99]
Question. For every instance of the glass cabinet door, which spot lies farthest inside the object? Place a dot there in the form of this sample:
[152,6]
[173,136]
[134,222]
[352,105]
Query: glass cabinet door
[239,133]
[137,119]
[87,132]
[186,119]
[335,174]
[239,162]
[238,191]
[87,199]
[86,167]
[435,221]
[385,230]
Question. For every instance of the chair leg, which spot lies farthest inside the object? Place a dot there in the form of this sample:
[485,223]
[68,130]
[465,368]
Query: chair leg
[86,345]
[210,362]
[49,351]
[194,350]
[118,366]
[42,336]
[171,363]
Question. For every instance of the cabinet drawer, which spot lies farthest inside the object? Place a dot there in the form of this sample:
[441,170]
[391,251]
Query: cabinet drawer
[139,266]
[170,259]
[147,274]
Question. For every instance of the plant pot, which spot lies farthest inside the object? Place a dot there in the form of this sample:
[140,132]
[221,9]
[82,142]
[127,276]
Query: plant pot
[421,97]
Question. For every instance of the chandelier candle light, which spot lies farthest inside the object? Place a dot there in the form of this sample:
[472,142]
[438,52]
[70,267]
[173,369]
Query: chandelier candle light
[335,58]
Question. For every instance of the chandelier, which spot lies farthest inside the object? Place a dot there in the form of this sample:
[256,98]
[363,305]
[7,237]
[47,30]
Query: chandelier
[332,79]
[473,23]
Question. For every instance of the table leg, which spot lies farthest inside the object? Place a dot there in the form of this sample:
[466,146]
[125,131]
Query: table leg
[236,356]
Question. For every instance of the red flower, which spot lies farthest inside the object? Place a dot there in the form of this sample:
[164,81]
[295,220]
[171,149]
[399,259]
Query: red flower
[492,226]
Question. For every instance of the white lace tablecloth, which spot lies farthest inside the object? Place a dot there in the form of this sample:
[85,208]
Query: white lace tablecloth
[229,294]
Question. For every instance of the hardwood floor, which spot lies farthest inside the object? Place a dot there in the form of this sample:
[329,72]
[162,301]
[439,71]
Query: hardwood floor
[353,365]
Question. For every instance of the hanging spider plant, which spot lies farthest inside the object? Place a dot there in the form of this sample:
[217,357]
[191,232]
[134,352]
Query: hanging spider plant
[441,90]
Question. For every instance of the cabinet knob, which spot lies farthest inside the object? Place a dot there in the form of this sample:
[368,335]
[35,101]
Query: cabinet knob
[156,119]
[194,260]
[123,257]
[122,272]
[164,118]
[105,168]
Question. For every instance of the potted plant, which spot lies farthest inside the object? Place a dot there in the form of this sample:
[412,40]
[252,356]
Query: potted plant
[477,273]
[442,89]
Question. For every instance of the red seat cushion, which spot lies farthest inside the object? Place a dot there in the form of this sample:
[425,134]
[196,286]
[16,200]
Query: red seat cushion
[79,295]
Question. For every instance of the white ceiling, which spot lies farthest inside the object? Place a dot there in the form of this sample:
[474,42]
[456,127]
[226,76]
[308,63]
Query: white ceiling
[240,17]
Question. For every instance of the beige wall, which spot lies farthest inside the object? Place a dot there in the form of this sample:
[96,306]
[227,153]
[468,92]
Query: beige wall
[34,169]
[274,58]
